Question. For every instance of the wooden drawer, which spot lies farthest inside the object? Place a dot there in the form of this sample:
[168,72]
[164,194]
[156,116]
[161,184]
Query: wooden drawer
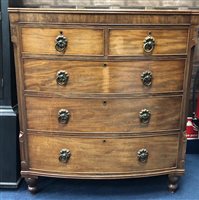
[81,41]
[103,114]
[102,155]
[129,42]
[94,77]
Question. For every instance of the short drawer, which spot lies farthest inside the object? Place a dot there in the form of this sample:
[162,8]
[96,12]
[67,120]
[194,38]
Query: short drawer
[68,41]
[65,77]
[103,114]
[130,42]
[102,155]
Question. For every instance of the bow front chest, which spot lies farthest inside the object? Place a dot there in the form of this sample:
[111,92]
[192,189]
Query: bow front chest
[102,94]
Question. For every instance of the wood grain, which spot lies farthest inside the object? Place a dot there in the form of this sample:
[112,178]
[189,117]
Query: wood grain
[103,115]
[130,17]
[98,155]
[129,42]
[94,77]
[104,132]
[82,41]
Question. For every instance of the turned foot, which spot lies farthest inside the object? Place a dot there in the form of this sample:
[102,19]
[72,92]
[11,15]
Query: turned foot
[173,183]
[32,184]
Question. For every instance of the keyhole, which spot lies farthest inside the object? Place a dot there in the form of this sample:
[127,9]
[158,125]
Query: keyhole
[104,65]
[104,141]
[104,103]
[61,32]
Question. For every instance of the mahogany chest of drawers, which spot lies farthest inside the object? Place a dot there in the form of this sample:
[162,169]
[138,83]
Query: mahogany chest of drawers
[102,94]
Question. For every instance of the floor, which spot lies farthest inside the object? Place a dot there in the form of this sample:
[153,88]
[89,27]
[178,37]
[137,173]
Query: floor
[130,189]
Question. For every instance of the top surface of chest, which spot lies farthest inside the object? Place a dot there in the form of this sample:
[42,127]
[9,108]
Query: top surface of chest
[104,16]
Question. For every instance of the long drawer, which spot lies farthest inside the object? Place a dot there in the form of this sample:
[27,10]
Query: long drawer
[130,42]
[77,41]
[103,114]
[64,77]
[102,155]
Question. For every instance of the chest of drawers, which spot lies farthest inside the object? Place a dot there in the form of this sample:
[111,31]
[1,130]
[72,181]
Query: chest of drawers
[102,94]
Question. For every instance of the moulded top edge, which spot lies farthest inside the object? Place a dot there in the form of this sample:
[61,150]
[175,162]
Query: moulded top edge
[102,11]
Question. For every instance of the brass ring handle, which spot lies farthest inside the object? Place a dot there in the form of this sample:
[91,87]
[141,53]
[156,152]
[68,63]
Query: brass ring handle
[142,155]
[64,155]
[63,116]
[149,44]
[61,43]
[145,116]
[146,78]
[62,78]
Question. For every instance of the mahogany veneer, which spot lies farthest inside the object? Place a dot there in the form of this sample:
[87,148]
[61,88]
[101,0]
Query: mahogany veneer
[103,94]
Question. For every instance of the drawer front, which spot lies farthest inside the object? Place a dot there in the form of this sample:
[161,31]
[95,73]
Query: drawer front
[130,42]
[103,77]
[103,114]
[98,155]
[78,41]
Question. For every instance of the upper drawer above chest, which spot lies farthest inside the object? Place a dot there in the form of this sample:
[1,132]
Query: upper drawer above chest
[100,41]
[132,42]
[58,41]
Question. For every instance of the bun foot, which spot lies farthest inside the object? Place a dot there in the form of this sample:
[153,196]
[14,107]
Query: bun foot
[173,183]
[32,184]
